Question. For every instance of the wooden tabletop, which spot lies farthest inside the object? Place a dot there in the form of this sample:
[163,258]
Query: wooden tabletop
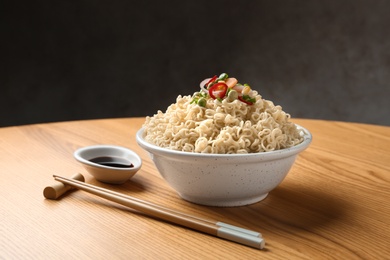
[334,203]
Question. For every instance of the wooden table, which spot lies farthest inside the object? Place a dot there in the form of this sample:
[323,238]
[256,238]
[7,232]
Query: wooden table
[334,203]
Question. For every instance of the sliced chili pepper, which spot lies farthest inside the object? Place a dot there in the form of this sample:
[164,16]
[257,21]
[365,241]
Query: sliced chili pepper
[218,90]
[211,80]
[247,99]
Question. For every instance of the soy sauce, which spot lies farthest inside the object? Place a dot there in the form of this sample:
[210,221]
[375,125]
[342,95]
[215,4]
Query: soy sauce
[117,162]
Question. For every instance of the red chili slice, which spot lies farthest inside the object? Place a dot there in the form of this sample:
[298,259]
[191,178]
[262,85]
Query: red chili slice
[218,90]
[241,98]
[211,80]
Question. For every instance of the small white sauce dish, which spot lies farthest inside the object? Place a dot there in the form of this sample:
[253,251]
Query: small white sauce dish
[109,163]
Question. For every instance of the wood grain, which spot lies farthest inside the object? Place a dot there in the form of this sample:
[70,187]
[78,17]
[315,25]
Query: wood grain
[333,204]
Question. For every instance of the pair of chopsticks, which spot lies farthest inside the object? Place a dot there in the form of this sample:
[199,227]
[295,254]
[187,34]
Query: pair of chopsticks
[215,228]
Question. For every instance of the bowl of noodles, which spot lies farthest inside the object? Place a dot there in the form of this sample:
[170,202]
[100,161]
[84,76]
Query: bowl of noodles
[221,149]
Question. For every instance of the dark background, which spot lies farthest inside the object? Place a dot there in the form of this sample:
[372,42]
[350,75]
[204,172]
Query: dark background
[85,59]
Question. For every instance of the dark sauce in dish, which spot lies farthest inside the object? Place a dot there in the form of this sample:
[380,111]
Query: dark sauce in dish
[117,162]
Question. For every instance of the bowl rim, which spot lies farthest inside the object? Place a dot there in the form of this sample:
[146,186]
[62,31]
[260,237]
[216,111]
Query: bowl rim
[270,154]
[136,165]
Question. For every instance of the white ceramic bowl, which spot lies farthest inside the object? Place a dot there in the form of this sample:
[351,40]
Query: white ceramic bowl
[104,173]
[223,180]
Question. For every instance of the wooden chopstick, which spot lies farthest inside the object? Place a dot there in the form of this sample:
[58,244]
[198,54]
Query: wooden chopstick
[219,229]
[219,224]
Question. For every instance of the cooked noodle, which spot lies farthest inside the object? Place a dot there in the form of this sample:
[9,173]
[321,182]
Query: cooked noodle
[222,127]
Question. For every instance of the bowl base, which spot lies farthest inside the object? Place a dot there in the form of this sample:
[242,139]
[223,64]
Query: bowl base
[224,202]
